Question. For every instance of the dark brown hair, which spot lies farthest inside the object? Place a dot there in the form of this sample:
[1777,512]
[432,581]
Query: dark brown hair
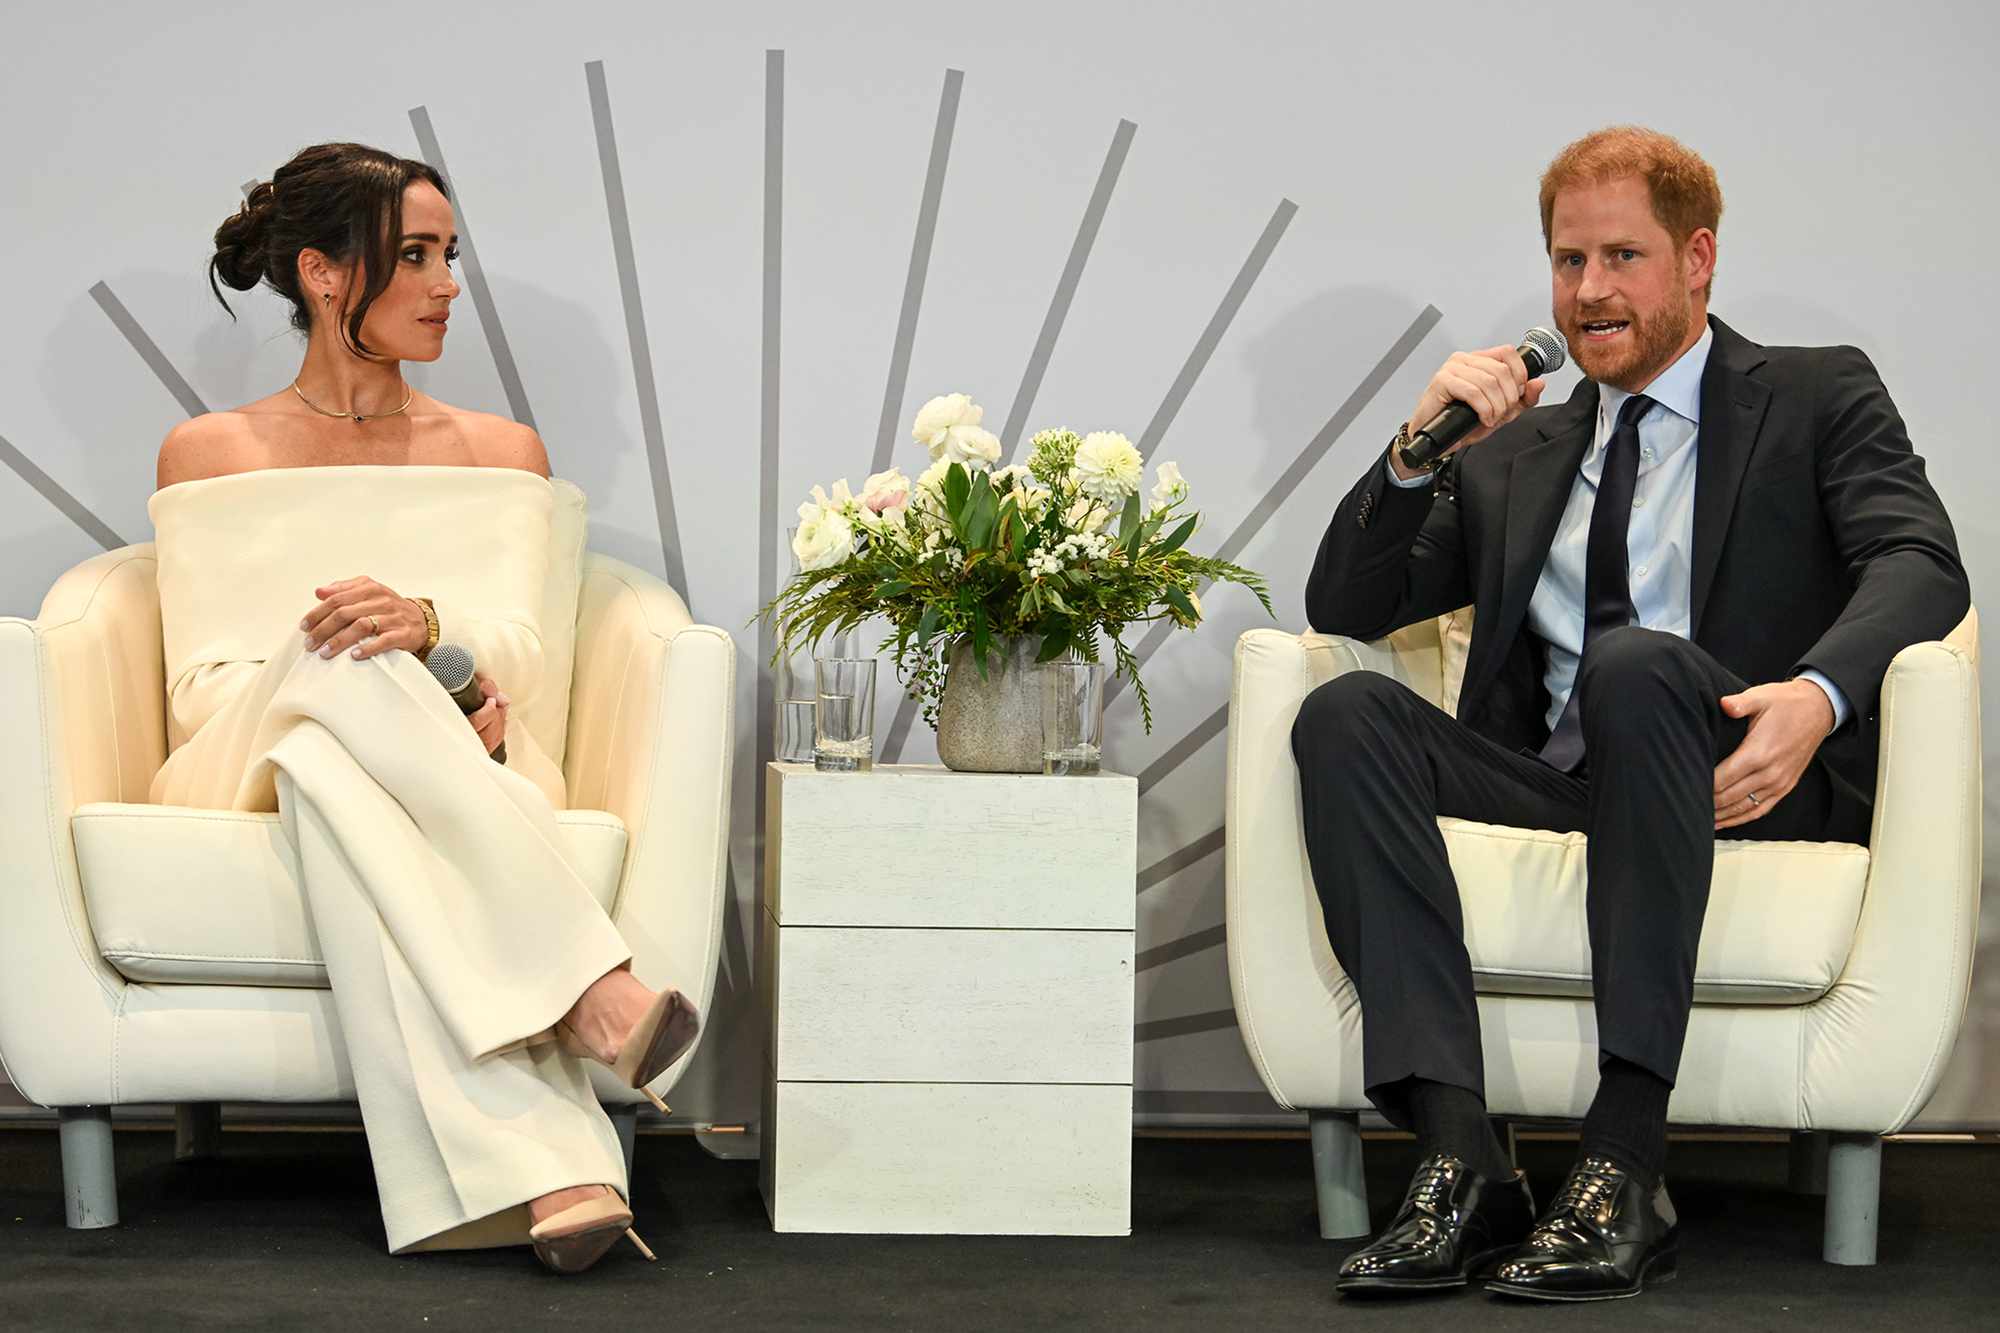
[344,200]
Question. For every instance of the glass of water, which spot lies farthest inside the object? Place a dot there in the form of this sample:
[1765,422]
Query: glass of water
[1072,717]
[844,721]
[793,684]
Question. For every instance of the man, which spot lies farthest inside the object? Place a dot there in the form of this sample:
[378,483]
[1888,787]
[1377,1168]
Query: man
[1687,582]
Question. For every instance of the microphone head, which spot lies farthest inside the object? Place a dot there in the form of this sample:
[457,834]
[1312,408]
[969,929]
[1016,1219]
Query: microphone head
[1549,346]
[452,665]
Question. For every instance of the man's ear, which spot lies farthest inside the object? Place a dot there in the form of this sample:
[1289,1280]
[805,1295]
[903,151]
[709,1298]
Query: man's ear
[1698,256]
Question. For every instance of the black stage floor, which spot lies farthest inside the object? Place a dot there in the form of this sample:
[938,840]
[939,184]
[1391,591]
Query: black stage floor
[283,1232]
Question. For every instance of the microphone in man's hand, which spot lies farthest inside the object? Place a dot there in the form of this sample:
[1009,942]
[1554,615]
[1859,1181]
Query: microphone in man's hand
[452,666]
[1543,350]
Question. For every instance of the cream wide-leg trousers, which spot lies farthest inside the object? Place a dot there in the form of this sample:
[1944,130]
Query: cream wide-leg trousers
[454,931]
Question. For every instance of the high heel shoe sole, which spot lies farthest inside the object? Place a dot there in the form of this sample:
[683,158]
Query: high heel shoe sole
[659,1039]
[578,1236]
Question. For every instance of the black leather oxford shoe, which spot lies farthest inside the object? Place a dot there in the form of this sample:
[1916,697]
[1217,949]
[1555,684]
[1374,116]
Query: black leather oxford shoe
[1454,1222]
[1606,1235]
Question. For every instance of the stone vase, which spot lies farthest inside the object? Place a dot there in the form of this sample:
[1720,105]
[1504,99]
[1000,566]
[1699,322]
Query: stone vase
[992,725]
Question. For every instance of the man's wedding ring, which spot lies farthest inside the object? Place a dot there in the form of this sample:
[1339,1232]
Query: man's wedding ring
[375,628]
[1754,800]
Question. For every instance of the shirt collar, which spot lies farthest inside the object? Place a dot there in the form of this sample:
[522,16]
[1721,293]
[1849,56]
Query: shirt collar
[1677,388]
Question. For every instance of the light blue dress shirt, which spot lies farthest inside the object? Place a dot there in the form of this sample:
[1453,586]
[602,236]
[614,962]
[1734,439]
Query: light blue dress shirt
[1659,543]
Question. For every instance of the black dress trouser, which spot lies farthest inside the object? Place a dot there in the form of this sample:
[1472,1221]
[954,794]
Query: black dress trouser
[1378,764]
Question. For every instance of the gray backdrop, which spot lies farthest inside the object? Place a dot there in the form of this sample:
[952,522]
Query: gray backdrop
[1233,228]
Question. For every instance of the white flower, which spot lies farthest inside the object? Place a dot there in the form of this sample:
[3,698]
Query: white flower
[1084,515]
[939,416]
[825,537]
[972,446]
[949,427]
[1108,467]
[839,502]
[1168,484]
[1045,562]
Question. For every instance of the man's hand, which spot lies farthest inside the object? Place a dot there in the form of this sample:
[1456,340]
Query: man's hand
[1787,723]
[490,721]
[1492,382]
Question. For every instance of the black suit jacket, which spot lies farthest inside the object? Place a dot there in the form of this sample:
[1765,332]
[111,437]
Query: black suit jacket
[1818,543]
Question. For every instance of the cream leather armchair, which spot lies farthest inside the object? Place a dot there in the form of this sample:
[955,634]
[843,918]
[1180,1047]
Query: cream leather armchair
[156,954]
[1829,986]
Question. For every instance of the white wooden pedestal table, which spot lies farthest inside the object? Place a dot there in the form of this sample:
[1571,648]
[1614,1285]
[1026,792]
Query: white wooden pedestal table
[947,964]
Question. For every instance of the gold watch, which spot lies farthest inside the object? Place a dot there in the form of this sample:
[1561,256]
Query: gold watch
[430,627]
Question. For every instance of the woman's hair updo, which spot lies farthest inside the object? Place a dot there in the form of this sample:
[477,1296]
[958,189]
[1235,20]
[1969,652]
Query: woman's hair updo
[344,200]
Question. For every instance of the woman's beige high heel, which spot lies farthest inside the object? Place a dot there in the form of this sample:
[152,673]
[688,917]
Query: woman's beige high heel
[658,1039]
[578,1236]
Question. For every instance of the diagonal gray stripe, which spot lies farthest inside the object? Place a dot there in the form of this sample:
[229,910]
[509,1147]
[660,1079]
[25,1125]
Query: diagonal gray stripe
[1183,749]
[1184,1026]
[1295,475]
[248,186]
[148,350]
[635,326]
[1218,324]
[1079,254]
[1198,942]
[77,513]
[920,262]
[767,455]
[475,274]
[1174,862]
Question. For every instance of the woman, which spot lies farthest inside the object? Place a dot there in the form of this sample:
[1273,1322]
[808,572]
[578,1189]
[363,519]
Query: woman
[470,966]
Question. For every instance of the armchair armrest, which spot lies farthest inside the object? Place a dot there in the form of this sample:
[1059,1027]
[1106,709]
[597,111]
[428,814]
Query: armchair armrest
[83,710]
[1275,935]
[651,740]
[1891,1019]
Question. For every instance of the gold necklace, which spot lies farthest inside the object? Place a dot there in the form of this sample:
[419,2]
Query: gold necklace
[408,394]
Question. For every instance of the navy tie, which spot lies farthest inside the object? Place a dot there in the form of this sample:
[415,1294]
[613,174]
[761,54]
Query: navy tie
[1607,592]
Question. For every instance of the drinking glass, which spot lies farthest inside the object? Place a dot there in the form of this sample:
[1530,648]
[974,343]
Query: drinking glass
[1072,717]
[844,718]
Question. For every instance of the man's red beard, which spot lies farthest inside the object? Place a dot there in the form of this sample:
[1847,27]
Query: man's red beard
[1646,347]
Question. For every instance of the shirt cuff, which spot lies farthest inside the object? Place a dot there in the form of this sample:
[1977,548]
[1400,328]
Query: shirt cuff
[1841,710]
[1421,479]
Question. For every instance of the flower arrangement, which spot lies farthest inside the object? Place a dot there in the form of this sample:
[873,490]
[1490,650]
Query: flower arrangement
[1062,547]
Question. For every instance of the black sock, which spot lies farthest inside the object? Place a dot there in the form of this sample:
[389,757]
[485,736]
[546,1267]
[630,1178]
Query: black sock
[1628,1118]
[1448,1118]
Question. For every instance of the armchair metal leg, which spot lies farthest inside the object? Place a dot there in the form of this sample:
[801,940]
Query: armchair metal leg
[1853,1197]
[90,1178]
[625,1119]
[1806,1173]
[197,1131]
[1337,1179]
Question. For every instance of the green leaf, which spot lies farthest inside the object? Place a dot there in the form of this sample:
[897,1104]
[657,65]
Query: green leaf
[927,626]
[957,485]
[1178,600]
[980,638]
[1178,535]
[1128,522]
[1055,642]
[892,588]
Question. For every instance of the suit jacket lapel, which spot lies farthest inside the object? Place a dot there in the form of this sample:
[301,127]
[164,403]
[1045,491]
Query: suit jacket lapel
[1732,413]
[1539,481]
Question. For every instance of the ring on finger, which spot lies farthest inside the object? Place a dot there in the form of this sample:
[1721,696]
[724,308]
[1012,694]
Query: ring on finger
[374,626]
[1754,800]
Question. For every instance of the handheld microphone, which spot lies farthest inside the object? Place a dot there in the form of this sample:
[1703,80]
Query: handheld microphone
[1543,350]
[452,667]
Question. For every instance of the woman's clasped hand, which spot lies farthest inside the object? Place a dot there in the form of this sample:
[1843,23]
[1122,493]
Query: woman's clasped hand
[363,617]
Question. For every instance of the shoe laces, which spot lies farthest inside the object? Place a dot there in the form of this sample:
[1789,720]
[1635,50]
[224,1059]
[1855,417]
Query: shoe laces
[1589,1188]
[1431,1190]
